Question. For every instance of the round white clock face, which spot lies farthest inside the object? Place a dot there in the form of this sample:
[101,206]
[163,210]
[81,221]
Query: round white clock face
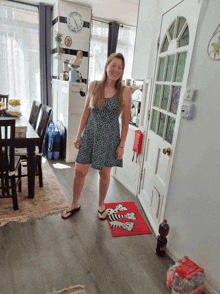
[74,21]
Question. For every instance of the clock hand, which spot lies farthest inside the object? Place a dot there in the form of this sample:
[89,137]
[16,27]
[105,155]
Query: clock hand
[76,23]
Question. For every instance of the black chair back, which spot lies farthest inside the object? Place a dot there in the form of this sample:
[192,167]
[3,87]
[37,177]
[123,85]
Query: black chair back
[4,98]
[7,147]
[43,122]
[35,110]
[8,167]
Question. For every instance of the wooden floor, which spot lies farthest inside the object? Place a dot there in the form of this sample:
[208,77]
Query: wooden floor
[40,256]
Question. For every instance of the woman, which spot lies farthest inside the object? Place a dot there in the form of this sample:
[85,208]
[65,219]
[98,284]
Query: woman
[101,145]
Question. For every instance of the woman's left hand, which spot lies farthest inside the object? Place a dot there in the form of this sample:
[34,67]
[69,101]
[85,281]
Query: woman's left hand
[119,153]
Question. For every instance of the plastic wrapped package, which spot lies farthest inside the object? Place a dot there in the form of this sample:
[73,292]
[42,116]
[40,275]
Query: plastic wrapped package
[185,277]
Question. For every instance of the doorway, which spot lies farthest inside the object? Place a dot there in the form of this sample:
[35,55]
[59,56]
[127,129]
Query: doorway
[177,37]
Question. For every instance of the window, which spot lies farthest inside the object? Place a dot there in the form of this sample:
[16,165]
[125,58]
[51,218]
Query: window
[99,45]
[19,53]
[98,50]
[125,45]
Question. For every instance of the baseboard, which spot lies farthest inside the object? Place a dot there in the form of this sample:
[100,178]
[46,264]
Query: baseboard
[209,290]
[124,184]
[175,256]
[172,253]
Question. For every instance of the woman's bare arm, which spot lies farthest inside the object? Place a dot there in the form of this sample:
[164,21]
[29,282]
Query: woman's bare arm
[86,110]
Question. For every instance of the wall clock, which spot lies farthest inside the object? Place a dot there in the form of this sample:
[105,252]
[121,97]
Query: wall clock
[75,21]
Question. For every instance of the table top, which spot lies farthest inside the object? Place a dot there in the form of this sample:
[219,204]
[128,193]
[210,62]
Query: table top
[31,134]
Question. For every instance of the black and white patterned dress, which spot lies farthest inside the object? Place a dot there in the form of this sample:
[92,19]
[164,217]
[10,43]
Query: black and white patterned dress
[101,136]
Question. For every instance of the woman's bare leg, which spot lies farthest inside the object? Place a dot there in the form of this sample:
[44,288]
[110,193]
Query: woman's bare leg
[81,171]
[104,182]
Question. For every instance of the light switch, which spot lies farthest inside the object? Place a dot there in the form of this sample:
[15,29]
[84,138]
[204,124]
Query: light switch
[187,110]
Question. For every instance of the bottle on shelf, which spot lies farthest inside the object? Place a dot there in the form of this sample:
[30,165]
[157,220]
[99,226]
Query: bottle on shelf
[161,239]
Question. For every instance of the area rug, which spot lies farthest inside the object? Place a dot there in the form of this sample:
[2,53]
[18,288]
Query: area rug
[79,289]
[124,219]
[50,199]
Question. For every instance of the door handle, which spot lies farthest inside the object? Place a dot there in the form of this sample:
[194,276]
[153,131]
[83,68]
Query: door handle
[167,151]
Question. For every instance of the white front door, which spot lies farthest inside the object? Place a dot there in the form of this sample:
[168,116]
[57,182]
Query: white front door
[177,37]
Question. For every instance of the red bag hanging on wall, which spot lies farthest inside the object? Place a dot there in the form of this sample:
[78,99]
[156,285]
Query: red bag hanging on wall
[138,138]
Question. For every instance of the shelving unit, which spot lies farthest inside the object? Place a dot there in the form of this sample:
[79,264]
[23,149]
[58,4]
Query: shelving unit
[68,107]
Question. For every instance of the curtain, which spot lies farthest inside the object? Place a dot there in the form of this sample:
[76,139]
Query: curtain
[112,37]
[125,45]
[98,50]
[19,53]
[45,19]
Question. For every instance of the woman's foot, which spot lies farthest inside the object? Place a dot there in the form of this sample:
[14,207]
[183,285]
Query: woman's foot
[70,211]
[102,213]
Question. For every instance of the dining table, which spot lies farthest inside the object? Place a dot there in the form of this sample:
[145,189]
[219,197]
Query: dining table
[30,141]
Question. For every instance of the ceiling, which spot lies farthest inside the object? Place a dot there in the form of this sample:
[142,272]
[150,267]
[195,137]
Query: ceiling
[123,11]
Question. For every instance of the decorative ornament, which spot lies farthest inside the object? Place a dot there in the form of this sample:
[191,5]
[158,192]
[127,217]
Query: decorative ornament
[60,50]
[213,48]
[68,41]
[76,61]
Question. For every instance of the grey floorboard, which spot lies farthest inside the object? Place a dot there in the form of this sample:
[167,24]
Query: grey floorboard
[44,255]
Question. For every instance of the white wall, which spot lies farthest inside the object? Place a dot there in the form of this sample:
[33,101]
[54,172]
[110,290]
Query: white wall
[193,198]
[193,202]
[80,40]
[146,37]
[129,174]
[148,30]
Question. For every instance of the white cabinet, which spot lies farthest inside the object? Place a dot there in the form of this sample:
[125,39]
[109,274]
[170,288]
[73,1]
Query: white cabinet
[68,107]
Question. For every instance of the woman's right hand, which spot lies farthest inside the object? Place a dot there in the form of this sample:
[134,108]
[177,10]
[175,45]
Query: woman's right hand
[77,143]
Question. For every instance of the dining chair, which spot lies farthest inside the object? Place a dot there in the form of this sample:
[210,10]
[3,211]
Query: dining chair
[4,98]
[35,111]
[41,129]
[9,163]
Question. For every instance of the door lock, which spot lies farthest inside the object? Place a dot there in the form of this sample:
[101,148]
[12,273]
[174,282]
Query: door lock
[167,151]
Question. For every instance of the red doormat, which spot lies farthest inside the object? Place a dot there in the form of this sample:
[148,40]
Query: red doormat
[124,219]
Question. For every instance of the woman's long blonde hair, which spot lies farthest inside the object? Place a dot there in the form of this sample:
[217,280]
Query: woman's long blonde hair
[98,94]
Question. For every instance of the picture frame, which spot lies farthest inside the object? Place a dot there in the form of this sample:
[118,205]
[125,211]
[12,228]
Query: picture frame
[68,41]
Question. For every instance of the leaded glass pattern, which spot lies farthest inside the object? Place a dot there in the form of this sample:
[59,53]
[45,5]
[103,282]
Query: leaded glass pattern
[181,23]
[170,71]
[170,67]
[154,120]
[165,45]
[165,98]
[171,30]
[161,69]
[161,124]
[175,99]
[184,40]
[170,129]
[180,66]
[157,95]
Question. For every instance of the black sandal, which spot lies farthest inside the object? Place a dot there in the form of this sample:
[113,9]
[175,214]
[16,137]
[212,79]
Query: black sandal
[101,212]
[71,212]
